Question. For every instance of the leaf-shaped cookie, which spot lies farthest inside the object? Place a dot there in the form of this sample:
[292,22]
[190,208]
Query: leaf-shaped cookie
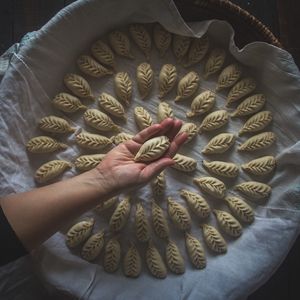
[159,221]
[198,49]
[78,86]
[167,79]
[219,144]
[55,125]
[121,138]
[254,190]
[195,251]
[162,39]
[132,263]
[144,77]
[202,104]
[142,38]
[105,205]
[103,54]
[174,258]
[258,142]
[164,111]
[155,262]
[120,216]
[91,67]
[111,105]
[187,86]
[142,117]
[112,255]
[44,144]
[257,122]
[79,232]
[99,120]
[241,89]
[214,239]
[228,223]
[93,246]
[142,228]
[214,120]
[152,149]
[215,62]
[211,186]
[123,87]
[190,129]
[240,209]
[179,215]
[180,46]
[67,103]
[92,141]
[120,43]
[222,168]
[250,105]
[229,77]
[184,163]
[87,162]
[196,203]
[51,169]
[260,166]
[159,184]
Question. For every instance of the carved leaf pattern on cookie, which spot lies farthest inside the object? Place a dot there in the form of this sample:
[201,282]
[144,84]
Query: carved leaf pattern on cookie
[211,186]
[123,87]
[179,215]
[219,144]
[202,103]
[159,221]
[214,239]
[258,142]
[257,122]
[162,39]
[155,262]
[99,120]
[195,251]
[187,86]
[93,246]
[184,163]
[120,216]
[44,144]
[167,79]
[164,111]
[228,223]
[214,62]
[79,232]
[240,209]
[132,263]
[190,129]
[142,38]
[142,117]
[111,105]
[51,170]
[112,255]
[120,43]
[181,45]
[87,162]
[159,184]
[144,76]
[174,258]
[254,190]
[91,67]
[92,141]
[102,52]
[55,125]
[196,203]
[260,166]
[67,103]
[222,168]
[121,138]
[198,49]
[142,228]
[229,76]
[214,120]
[106,205]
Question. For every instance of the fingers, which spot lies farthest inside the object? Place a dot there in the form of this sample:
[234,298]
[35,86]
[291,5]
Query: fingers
[174,130]
[147,133]
[176,144]
[156,167]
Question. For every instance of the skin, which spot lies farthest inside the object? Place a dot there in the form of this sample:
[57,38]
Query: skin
[37,214]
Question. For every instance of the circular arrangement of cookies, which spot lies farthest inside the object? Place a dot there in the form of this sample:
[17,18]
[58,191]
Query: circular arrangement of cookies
[213,91]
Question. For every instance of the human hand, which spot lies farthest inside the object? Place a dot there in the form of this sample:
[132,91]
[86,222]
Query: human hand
[119,170]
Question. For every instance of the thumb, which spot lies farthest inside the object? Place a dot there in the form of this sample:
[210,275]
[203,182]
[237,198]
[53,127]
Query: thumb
[156,167]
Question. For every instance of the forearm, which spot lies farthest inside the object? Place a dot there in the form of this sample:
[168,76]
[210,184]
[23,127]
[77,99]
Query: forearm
[38,214]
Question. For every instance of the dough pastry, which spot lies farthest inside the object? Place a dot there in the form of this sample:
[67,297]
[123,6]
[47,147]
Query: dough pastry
[142,38]
[219,144]
[123,87]
[99,120]
[142,117]
[142,228]
[214,239]
[184,163]
[112,255]
[174,258]
[106,205]
[121,138]
[91,67]
[55,125]
[229,77]
[222,168]
[159,221]
[190,129]
[92,141]
[120,216]
[44,144]
[144,76]
[164,111]
[162,39]
[155,262]
[258,142]
[202,103]
[181,45]
[167,79]
[211,186]
[187,86]
[87,162]
[93,246]
[159,184]
[51,170]
[214,120]
[78,86]
[112,105]
[196,203]
[257,122]
[103,54]
[67,103]
[79,232]
[240,209]
[132,263]
[179,215]
[195,251]
[120,43]
[214,62]
[260,166]
[254,190]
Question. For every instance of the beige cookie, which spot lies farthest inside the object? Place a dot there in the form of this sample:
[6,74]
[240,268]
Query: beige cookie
[142,228]
[93,246]
[195,251]
[254,190]
[111,105]
[180,46]
[121,138]
[187,86]
[184,163]
[155,263]
[219,144]
[240,209]
[257,122]
[120,44]
[258,142]
[67,103]
[179,215]
[260,166]
[214,120]
[112,255]
[174,258]
[198,49]
[164,111]
[142,38]
[214,239]
[103,53]
[202,103]
[123,87]
[132,263]
[162,39]
[190,129]
[144,77]
[87,162]
[167,79]
[120,216]
[55,124]
[158,184]
[91,67]
[211,186]
[106,205]
[215,62]
[222,168]
[92,141]
[142,117]
[44,144]
[159,221]
[99,120]
[229,77]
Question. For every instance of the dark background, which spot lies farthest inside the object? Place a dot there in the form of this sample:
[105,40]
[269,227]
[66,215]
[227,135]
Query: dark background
[18,17]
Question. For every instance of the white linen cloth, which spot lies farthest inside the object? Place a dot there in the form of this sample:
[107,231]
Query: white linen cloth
[35,76]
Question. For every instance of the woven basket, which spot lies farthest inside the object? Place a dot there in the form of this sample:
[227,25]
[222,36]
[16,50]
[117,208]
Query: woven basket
[247,28]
